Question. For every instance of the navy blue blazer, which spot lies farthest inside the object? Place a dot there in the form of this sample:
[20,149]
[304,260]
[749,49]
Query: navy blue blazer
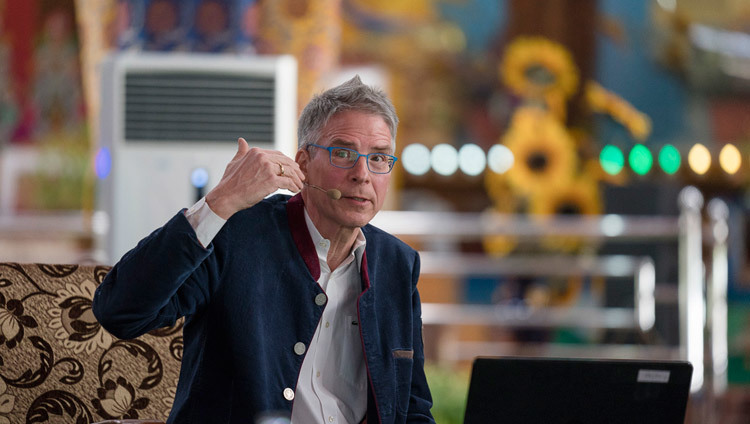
[250,297]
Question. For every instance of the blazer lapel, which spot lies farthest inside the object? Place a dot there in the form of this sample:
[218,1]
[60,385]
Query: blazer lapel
[295,211]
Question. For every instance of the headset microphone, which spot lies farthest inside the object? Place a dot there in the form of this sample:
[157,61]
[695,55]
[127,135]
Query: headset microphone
[332,193]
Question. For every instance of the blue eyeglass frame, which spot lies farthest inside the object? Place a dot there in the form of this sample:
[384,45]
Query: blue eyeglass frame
[359,155]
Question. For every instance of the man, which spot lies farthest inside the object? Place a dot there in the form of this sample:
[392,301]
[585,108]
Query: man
[294,306]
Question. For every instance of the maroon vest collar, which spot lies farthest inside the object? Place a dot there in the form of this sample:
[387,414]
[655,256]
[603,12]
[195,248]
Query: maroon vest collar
[295,210]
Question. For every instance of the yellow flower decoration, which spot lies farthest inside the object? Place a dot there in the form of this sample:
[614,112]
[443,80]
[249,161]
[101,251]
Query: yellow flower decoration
[557,105]
[581,197]
[537,66]
[601,100]
[543,150]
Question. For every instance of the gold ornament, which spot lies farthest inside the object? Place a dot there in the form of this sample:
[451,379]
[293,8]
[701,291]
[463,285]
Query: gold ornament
[601,100]
[535,67]
[543,150]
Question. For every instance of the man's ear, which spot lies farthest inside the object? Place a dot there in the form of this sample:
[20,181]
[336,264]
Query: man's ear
[302,158]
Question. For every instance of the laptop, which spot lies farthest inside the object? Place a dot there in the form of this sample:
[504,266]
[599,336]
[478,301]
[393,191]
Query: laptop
[577,391]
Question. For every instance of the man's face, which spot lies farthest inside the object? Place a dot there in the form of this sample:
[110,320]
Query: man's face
[362,192]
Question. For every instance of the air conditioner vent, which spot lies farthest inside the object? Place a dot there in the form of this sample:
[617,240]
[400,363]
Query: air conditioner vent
[184,106]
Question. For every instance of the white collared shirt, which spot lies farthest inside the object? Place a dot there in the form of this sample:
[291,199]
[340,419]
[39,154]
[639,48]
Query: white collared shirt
[333,381]
[332,385]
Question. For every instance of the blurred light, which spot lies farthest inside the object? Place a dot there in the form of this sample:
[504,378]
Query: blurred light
[669,159]
[612,225]
[444,159]
[640,159]
[730,159]
[102,163]
[416,159]
[699,159]
[199,177]
[451,38]
[471,159]
[668,5]
[611,159]
[500,159]
[726,42]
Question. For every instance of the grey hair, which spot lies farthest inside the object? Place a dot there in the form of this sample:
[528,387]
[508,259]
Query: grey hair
[351,95]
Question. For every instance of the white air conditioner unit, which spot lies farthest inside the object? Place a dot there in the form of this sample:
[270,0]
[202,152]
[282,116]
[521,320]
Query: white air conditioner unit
[169,125]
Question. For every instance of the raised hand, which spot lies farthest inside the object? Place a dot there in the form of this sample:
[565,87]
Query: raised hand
[250,176]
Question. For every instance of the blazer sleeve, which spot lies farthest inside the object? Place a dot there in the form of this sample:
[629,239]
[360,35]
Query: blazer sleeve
[169,274]
[420,400]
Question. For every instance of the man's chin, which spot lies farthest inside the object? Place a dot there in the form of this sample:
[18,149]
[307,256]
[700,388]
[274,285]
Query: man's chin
[356,224]
[356,221]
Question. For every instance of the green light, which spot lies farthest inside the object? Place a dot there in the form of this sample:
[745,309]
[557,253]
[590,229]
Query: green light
[640,159]
[611,159]
[669,159]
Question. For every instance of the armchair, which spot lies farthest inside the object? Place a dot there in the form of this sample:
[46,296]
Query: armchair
[57,364]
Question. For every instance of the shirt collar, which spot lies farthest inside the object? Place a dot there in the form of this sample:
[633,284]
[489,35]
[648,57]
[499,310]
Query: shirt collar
[322,244]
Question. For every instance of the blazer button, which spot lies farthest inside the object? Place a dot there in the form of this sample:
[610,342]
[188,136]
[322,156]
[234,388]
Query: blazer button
[288,394]
[321,299]
[299,348]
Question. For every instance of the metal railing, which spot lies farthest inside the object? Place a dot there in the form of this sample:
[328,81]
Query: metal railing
[694,299]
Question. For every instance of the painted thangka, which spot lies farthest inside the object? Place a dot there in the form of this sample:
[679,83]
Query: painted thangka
[39,71]
[308,30]
[42,109]
[213,26]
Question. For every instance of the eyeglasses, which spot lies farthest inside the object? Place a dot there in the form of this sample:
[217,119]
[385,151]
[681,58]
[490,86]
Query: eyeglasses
[342,157]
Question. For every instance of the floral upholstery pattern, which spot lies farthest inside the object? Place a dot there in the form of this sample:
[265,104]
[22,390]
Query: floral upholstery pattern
[58,365]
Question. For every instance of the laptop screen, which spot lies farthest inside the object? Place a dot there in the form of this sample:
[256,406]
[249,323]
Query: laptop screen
[577,391]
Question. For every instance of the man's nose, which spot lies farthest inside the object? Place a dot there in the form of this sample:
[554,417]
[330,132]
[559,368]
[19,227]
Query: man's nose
[359,171]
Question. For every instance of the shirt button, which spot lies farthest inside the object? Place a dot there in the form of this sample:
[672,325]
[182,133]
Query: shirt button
[327,324]
[288,394]
[330,419]
[321,299]
[317,374]
[299,348]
